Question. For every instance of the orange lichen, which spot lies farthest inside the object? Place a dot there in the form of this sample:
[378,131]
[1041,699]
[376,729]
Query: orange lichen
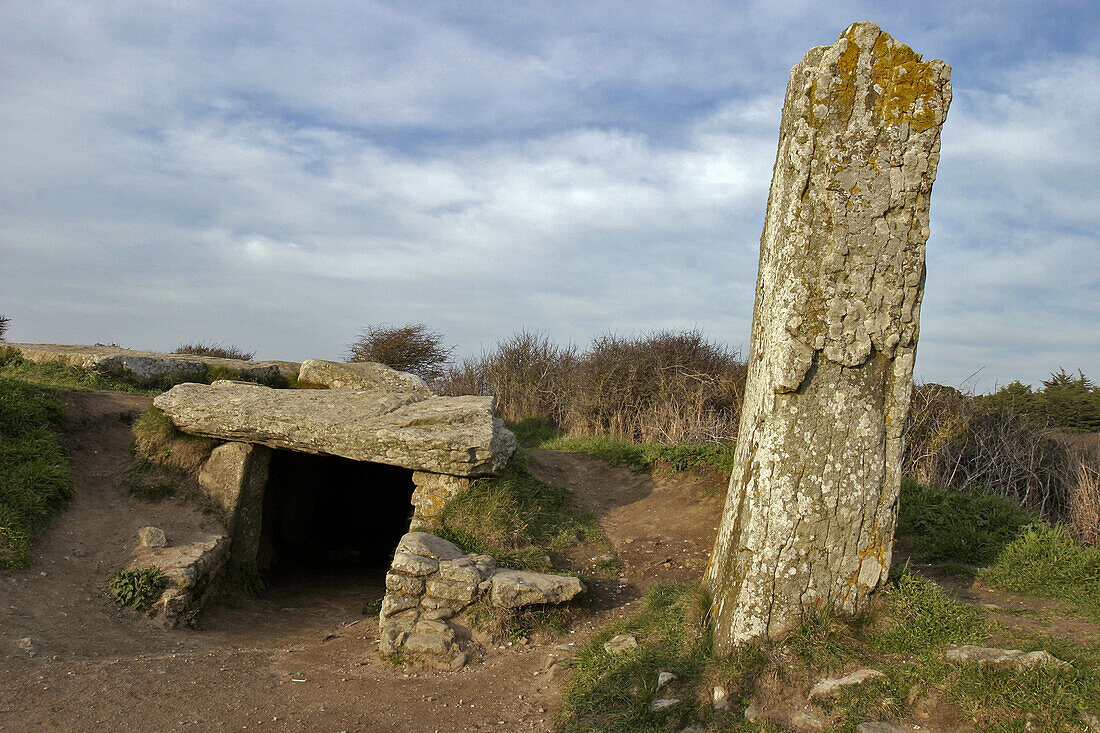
[908,85]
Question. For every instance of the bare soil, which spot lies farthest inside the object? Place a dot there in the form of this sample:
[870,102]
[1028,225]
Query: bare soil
[301,655]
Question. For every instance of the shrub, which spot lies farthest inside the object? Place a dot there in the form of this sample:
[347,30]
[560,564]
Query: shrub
[204,349]
[1064,401]
[138,588]
[409,348]
[4,322]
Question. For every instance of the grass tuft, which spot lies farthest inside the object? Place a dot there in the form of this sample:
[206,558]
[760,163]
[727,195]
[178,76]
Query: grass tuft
[157,441]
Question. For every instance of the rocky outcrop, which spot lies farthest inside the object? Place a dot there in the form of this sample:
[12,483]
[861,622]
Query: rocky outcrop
[431,582]
[446,435]
[149,368]
[364,376]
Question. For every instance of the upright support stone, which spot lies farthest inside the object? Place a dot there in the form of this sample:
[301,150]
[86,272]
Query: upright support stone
[810,514]
[234,477]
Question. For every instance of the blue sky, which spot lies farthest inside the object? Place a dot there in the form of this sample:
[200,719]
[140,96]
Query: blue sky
[276,175]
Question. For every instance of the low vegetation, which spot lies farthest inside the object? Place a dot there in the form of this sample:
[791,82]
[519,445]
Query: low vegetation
[157,441]
[646,456]
[516,518]
[35,481]
[59,376]
[203,348]
[138,588]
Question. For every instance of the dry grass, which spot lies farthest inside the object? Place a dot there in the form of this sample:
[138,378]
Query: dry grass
[204,349]
[157,441]
[666,386]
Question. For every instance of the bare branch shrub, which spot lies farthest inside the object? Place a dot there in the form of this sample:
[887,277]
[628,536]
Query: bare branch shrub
[204,349]
[409,348]
[4,321]
[954,443]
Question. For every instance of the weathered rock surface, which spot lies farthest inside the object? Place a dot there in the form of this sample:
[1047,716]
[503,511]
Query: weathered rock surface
[831,686]
[152,537]
[433,491]
[451,435]
[810,514]
[620,644]
[365,376]
[146,367]
[234,477]
[431,582]
[877,727]
[189,569]
[1003,658]
[517,588]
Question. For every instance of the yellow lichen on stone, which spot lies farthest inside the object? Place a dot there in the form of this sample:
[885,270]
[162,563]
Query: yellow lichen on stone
[908,85]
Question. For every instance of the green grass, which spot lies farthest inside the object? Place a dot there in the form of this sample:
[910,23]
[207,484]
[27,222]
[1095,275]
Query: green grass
[516,518]
[645,456]
[35,481]
[904,637]
[961,527]
[1045,561]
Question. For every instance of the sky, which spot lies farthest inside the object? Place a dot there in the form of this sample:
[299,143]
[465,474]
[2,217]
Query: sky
[277,175]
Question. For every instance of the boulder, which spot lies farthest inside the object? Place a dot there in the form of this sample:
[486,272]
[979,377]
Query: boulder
[516,588]
[365,376]
[831,686]
[452,435]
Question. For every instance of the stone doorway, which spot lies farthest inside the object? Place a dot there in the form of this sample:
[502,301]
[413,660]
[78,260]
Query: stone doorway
[324,514]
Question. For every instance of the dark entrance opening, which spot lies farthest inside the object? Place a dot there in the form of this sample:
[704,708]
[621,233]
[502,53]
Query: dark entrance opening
[325,515]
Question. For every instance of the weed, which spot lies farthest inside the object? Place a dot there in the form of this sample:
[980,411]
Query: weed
[35,481]
[373,607]
[138,588]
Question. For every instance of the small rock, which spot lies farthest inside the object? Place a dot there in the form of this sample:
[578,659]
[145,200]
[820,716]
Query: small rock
[832,685]
[1003,658]
[664,703]
[753,713]
[152,537]
[27,645]
[664,678]
[460,660]
[556,672]
[808,722]
[620,644]
[875,727]
[1092,721]
[722,699]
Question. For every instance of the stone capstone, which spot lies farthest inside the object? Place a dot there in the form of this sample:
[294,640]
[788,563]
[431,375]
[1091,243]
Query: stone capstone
[146,367]
[448,435]
[364,376]
[431,582]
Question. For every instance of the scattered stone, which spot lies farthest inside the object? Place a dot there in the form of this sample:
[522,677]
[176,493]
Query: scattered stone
[1003,658]
[448,435]
[808,722]
[27,645]
[664,703]
[152,537]
[753,713]
[875,727]
[721,699]
[620,644]
[364,376]
[1092,721]
[460,660]
[664,678]
[830,686]
[516,588]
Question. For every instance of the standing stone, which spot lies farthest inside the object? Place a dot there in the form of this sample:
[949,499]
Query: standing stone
[810,514]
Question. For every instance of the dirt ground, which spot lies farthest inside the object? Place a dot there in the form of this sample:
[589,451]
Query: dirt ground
[302,656]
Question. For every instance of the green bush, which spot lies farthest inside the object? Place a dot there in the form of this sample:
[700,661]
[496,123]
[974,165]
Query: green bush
[1064,401]
[138,588]
[965,527]
[35,481]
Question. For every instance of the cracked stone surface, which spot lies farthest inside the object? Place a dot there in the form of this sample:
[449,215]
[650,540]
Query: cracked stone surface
[809,519]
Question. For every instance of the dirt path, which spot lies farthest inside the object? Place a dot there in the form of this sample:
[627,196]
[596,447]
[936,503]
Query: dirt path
[302,656]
